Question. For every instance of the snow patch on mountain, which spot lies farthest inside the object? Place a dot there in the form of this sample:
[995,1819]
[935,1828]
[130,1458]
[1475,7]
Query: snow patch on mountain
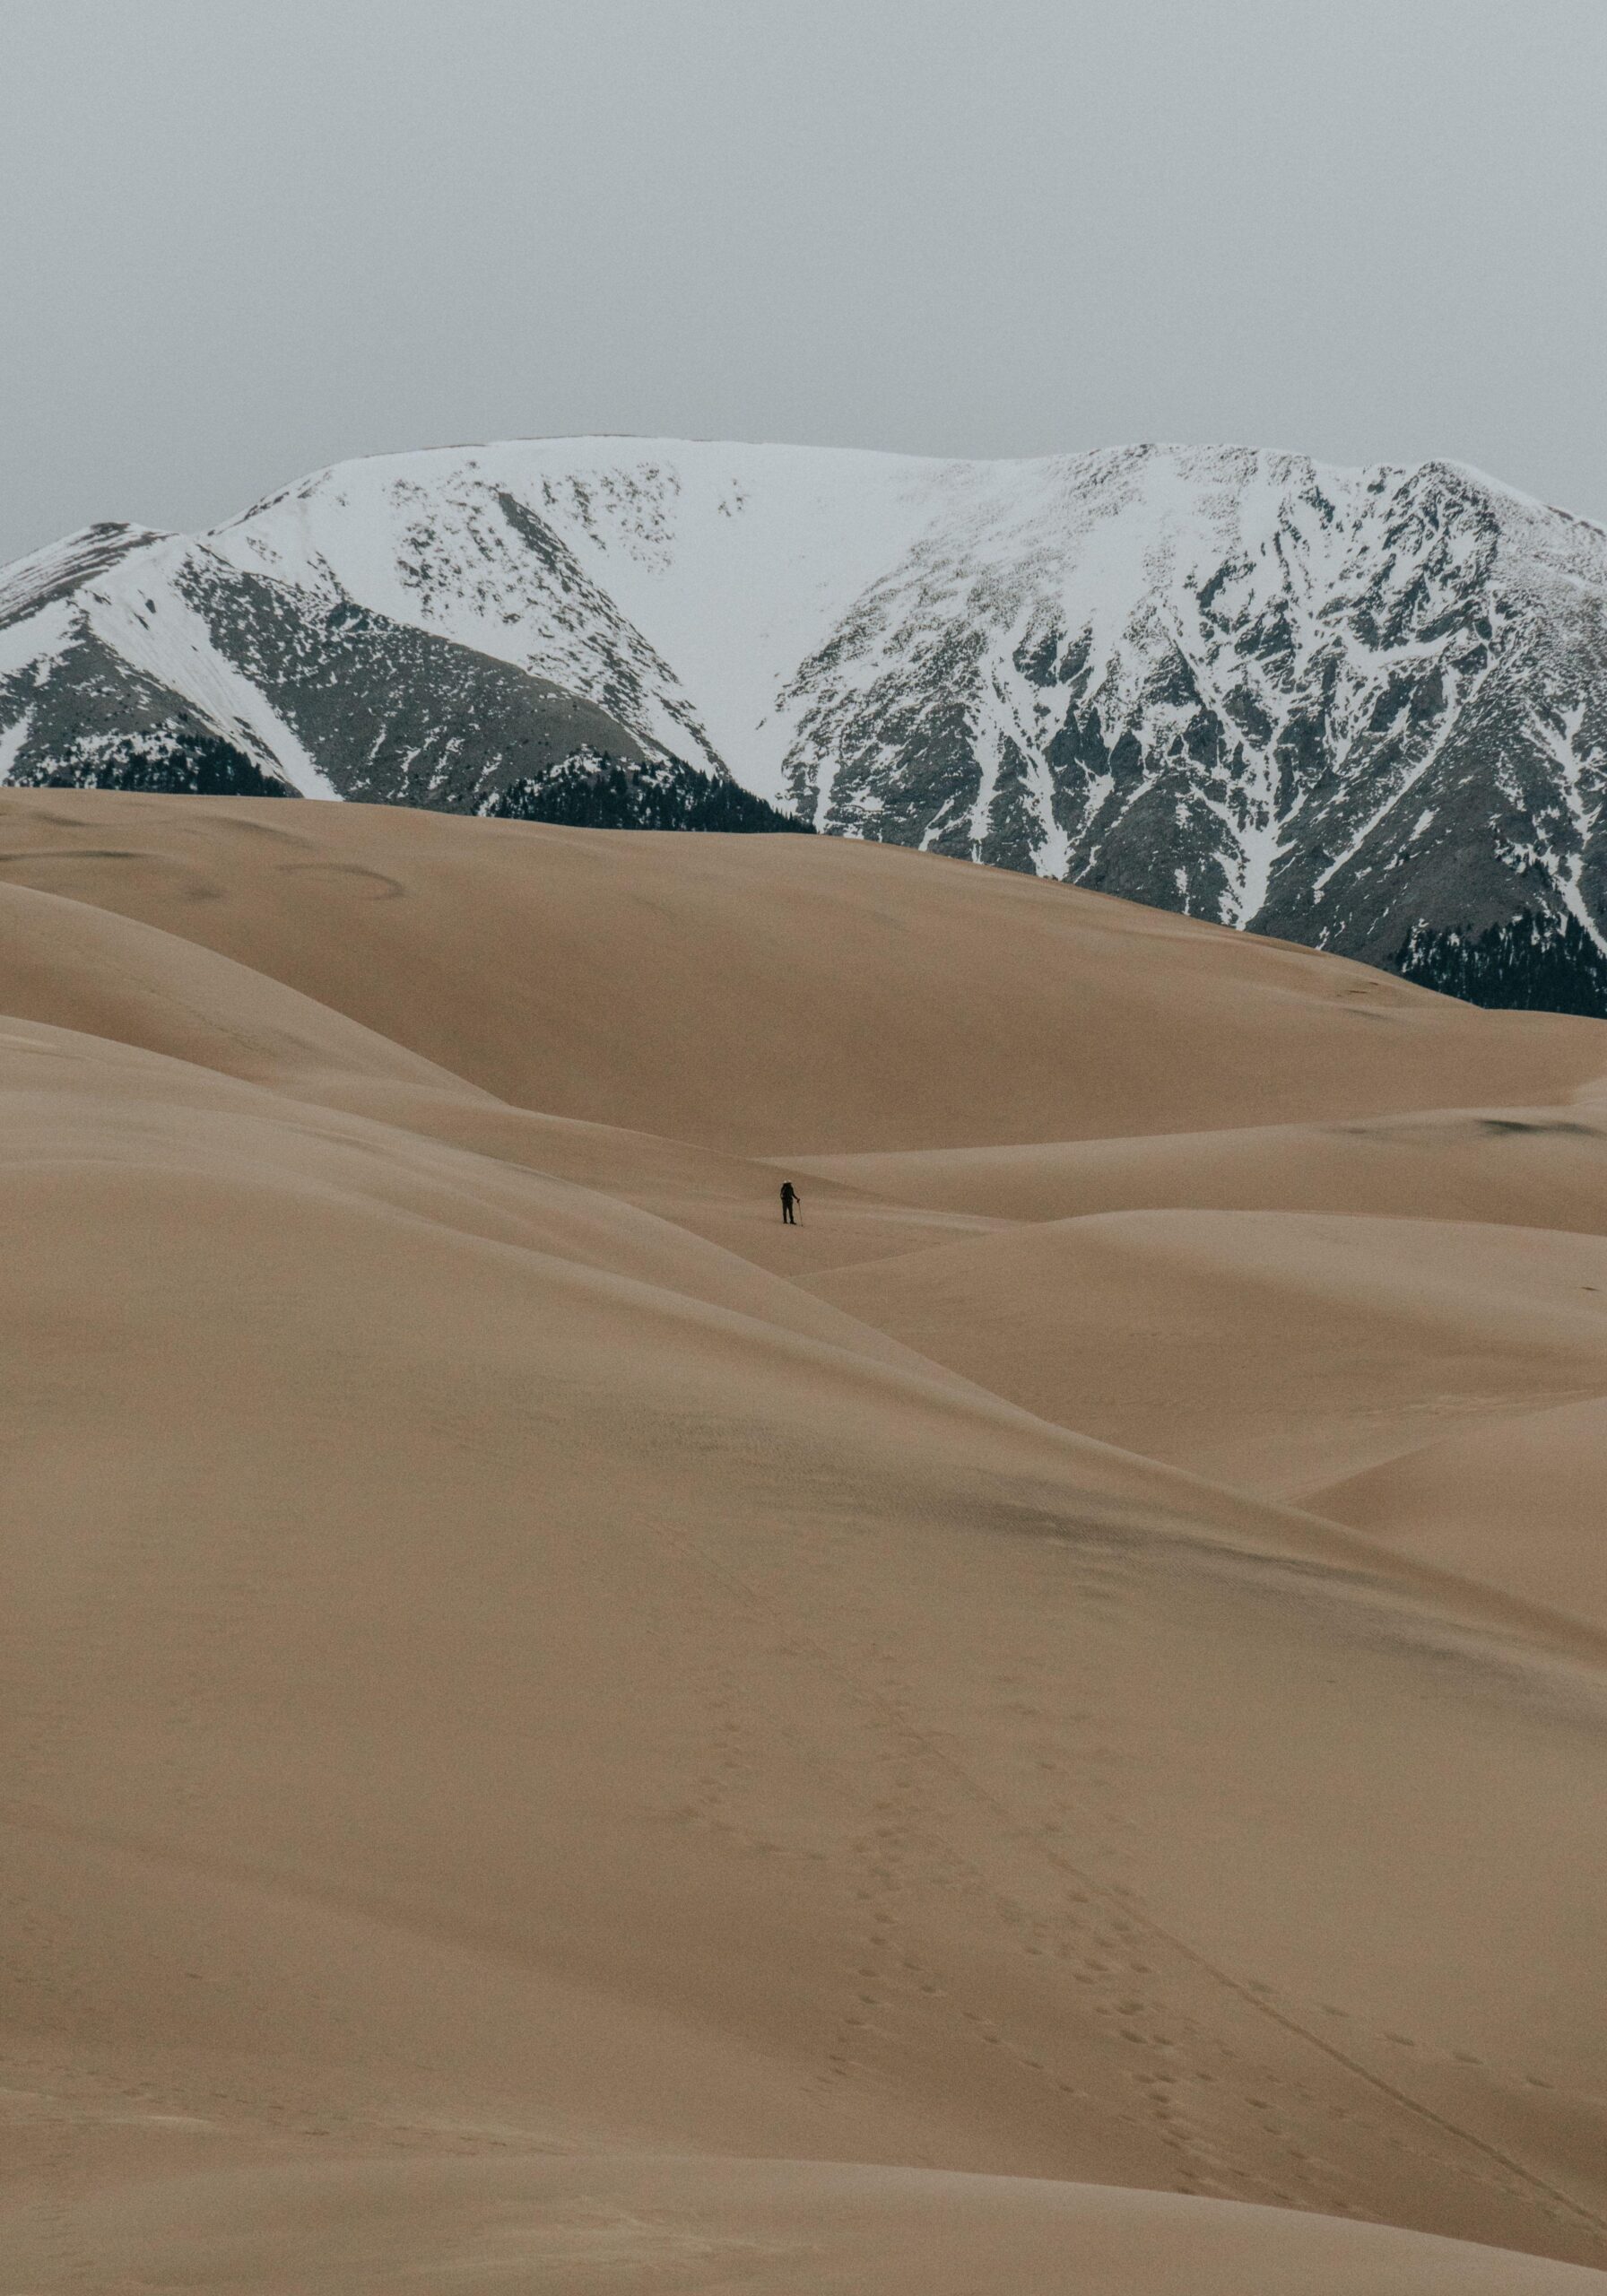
[146,619]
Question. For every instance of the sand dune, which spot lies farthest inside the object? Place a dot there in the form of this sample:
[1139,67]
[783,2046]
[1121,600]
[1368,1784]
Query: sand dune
[779,996]
[93,970]
[1274,1351]
[558,1735]
[1542,1167]
[643,2224]
[1517,1502]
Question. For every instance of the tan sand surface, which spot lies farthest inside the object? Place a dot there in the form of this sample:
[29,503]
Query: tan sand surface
[1521,1503]
[94,970]
[648,2226]
[781,994]
[1274,1351]
[1544,1167]
[547,1749]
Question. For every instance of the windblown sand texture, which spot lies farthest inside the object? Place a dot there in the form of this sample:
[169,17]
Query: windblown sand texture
[1041,1734]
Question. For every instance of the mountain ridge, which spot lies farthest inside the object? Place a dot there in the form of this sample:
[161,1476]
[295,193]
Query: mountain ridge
[1362,708]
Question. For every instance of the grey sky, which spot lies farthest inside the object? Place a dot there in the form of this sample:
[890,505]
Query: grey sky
[244,237]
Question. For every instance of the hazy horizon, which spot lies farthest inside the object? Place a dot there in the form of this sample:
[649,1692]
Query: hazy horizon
[246,245]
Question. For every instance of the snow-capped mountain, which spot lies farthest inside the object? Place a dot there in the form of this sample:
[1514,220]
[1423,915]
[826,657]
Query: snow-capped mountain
[1364,709]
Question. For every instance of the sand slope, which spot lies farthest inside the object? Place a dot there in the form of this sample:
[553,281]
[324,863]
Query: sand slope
[779,994]
[643,2222]
[1544,1167]
[1517,1502]
[550,1743]
[1274,1351]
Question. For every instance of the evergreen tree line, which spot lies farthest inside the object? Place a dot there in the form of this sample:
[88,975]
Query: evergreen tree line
[183,761]
[1530,964]
[590,791]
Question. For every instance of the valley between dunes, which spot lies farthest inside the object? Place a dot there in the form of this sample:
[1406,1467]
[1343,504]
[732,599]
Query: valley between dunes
[1041,1734]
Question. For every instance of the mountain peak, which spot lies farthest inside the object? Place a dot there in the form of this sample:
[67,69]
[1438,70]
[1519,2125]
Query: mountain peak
[1358,707]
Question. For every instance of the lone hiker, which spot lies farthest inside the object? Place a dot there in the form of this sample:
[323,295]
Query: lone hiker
[789,1196]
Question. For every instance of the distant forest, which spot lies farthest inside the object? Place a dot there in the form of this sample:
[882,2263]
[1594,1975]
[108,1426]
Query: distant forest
[1531,964]
[590,791]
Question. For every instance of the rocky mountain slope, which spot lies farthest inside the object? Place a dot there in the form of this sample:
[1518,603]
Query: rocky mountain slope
[1362,708]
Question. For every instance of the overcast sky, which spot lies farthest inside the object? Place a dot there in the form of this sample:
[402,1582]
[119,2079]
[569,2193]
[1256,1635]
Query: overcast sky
[245,237]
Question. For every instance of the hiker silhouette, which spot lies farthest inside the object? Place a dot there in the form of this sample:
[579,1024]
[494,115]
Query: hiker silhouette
[789,1196]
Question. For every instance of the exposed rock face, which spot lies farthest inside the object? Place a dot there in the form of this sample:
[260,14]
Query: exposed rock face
[1366,710]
